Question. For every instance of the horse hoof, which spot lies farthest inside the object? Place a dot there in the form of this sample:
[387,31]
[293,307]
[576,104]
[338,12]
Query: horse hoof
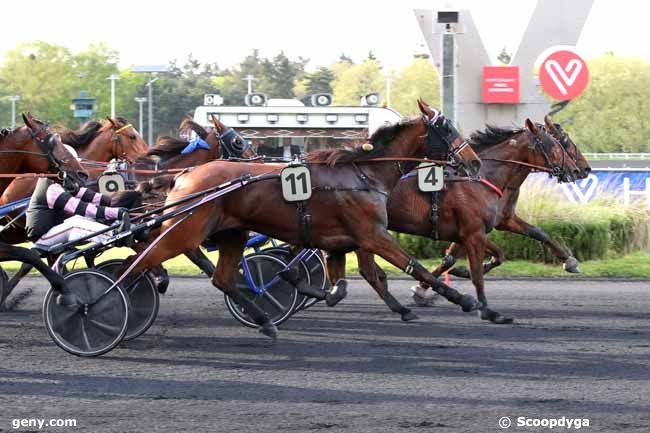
[468,303]
[407,317]
[495,317]
[571,265]
[270,330]
[337,294]
[423,301]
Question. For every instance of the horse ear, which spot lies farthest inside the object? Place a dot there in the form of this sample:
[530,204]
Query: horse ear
[531,126]
[217,124]
[26,119]
[112,121]
[425,109]
[549,123]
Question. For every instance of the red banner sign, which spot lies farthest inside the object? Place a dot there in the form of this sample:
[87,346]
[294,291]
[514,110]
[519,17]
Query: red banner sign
[501,84]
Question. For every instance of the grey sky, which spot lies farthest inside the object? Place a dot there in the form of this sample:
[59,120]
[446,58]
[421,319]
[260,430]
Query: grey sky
[224,32]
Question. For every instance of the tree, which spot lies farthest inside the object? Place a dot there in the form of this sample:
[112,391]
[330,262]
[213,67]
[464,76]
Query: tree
[43,75]
[356,81]
[612,114]
[419,79]
[179,92]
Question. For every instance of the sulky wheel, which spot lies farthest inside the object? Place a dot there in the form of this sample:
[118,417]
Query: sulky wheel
[143,297]
[284,253]
[277,298]
[95,327]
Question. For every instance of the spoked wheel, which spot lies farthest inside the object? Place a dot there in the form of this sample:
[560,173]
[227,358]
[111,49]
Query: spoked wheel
[143,296]
[277,297]
[97,326]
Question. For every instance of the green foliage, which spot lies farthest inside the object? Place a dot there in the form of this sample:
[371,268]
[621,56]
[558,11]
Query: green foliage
[418,80]
[611,116]
[354,81]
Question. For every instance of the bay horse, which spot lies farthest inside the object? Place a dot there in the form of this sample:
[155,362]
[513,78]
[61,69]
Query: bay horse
[468,210]
[509,221]
[33,148]
[347,209]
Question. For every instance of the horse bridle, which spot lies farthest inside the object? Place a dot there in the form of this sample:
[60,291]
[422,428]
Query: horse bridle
[44,138]
[559,171]
[226,140]
[117,137]
[564,142]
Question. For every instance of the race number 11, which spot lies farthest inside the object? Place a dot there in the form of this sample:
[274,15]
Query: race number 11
[430,178]
[296,183]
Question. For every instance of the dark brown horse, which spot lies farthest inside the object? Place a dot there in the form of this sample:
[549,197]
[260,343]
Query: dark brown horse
[347,210]
[509,221]
[33,148]
[468,210]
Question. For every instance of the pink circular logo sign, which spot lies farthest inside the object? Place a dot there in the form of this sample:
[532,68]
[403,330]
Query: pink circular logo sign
[564,75]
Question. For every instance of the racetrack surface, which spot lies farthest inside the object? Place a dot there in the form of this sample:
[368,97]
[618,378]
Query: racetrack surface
[578,349]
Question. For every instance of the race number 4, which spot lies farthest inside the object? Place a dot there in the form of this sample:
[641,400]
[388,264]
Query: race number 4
[111,183]
[430,178]
[296,183]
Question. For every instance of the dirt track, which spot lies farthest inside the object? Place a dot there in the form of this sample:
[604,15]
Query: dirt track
[578,349]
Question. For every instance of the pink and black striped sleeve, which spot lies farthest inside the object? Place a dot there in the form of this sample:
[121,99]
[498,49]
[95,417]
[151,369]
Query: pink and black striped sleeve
[61,200]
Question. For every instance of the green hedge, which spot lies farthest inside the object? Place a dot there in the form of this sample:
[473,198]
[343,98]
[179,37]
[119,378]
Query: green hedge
[588,240]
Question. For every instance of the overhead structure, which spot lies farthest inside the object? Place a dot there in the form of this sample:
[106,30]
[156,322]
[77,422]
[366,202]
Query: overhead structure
[460,56]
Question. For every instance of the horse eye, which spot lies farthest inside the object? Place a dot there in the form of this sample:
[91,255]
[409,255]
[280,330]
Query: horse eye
[132,137]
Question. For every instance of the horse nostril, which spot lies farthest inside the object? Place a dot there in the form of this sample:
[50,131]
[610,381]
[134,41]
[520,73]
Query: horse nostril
[82,175]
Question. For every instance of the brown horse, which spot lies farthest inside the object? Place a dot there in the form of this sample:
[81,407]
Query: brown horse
[509,221]
[468,210]
[33,148]
[347,210]
[114,139]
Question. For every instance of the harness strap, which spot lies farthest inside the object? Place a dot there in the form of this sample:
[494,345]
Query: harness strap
[434,215]
[128,125]
[304,224]
[492,186]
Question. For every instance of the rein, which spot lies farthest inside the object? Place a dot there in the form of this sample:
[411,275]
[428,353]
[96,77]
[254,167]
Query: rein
[523,164]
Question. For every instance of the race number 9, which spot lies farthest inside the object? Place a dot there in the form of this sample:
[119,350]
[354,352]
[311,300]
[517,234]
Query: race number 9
[111,183]
[430,178]
[296,183]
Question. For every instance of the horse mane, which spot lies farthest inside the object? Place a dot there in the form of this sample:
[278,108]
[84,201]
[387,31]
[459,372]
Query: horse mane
[81,137]
[380,140]
[491,136]
[189,123]
[166,147]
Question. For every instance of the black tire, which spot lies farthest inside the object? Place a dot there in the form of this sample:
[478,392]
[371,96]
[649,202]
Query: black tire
[278,301]
[143,297]
[91,329]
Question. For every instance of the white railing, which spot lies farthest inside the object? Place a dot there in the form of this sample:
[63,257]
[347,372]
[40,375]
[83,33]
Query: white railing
[616,156]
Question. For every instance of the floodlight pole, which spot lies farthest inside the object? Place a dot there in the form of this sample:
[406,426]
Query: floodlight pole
[150,131]
[13,100]
[113,77]
[388,78]
[448,74]
[140,101]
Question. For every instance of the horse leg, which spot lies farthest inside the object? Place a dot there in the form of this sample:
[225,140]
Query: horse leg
[15,279]
[497,256]
[475,245]
[516,225]
[231,249]
[420,296]
[335,263]
[384,245]
[333,297]
[202,261]
[376,277]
